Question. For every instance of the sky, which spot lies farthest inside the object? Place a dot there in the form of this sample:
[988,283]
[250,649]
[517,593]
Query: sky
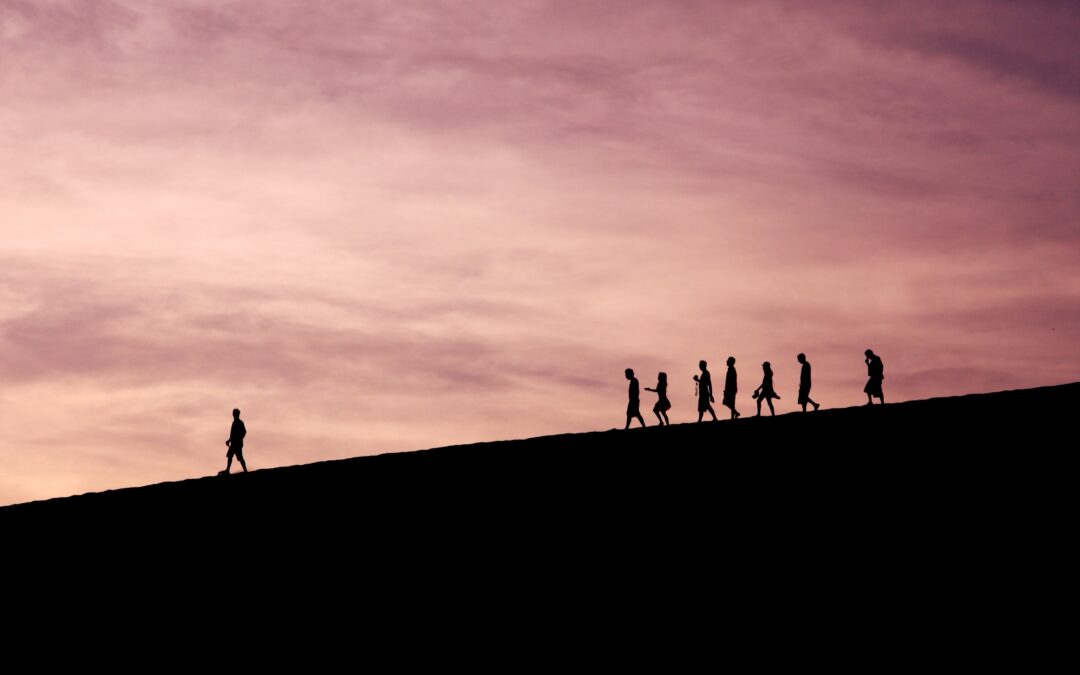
[388,225]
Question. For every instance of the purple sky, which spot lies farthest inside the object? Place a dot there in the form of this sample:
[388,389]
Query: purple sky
[389,225]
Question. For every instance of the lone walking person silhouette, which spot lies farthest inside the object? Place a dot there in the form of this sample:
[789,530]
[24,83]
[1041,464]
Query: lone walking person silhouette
[731,387]
[633,408]
[662,403]
[804,384]
[704,392]
[765,391]
[235,443]
[875,369]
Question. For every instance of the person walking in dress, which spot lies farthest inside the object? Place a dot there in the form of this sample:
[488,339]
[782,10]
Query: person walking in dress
[875,369]
[633,408]
[765,391]
[662,403]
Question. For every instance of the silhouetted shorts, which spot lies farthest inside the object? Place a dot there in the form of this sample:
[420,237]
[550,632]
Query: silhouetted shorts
[873,387]
[633,409]
[236,450]
[729,398]
[804,395]
[703,403]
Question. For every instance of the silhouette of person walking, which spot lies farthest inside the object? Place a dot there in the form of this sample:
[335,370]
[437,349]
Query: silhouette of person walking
[876,370]
[731,387]
[633,409]
[235,443]
[704,393]
[662,403]
[804,384]
[765,391]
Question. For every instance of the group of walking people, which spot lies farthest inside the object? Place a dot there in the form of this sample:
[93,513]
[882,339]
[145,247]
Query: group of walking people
[764,393]
[703,390]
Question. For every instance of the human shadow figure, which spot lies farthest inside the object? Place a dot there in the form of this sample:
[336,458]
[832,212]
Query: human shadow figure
[731,387]
[235,443]
[703,390]
[633,408]
[804,384]
[662,403]
[875,369]
[765,391]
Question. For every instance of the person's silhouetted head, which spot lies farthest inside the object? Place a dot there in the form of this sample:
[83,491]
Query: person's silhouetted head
[801,358]
[236,413]
[767,367]
[702,364]
[869,353]
[629,373]
[662,377]
[731,360]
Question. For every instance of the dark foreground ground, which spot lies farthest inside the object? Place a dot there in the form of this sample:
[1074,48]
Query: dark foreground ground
[860,536]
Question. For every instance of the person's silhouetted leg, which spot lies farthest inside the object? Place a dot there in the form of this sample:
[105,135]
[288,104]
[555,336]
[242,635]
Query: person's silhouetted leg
[811,402]
[667,422]
[758,407]
[772,411]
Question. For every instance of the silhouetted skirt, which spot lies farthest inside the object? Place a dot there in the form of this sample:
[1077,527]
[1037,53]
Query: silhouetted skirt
[633,409]
[873,387]
[662,405]
[767,392]
[729,398]
[804,395]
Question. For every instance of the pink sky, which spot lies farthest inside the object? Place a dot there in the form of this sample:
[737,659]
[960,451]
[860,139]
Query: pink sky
[390,225]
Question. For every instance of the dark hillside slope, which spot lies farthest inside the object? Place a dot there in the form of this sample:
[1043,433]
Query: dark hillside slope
[878,535]
[945,464]
[926,532]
